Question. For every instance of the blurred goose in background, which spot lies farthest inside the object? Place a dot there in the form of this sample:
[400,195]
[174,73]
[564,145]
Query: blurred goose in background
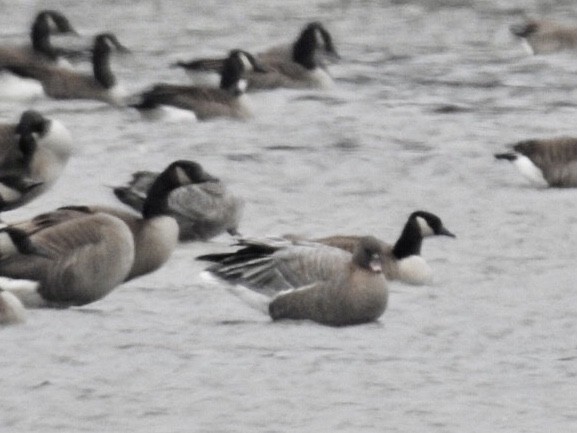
[62,83]
[402,261]
[77,255]
[33,154]
[302,65]
[41,51]
[11,309]
[550,162]
[309,281]
[203,209]
[542,37]
[229,100]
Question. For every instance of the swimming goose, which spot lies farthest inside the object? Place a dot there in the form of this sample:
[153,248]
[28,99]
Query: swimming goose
[11,309]
[33,154]
[310,281]
[47,22]
[550,162]
[62,83]
[228,100]
[542,37]
[297,67]
[203,209]
[79,254]
[402,261]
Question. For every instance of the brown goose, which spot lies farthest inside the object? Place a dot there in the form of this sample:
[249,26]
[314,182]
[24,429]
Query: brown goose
[542,37]
[229,100]
[310,281]
[79,254]
[550,162]
[298,66]
[62,83]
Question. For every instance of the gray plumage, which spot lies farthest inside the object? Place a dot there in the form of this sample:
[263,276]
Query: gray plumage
[78,254]
[555,160]
[62,83]
[544,37]
[33,154]
[203,210]
[311,281]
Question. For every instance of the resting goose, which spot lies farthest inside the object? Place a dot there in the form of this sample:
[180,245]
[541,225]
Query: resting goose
[79,254]
[33,154]
[402,261]
[41,51]
[550,162]
[62,83]
[311,281]
[203,209]
[300,65]
[11,309]
[228,100]
[543,37]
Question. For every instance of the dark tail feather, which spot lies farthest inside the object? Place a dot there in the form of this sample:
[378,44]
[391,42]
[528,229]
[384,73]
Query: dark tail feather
[507,156]
[200,65]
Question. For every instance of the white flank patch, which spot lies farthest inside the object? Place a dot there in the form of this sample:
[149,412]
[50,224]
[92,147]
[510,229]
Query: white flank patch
[9,195]
[529,170]
[11,309]
[253,299]
[25,290]
[19,89]
[415,270]
[57,139]
[165,113]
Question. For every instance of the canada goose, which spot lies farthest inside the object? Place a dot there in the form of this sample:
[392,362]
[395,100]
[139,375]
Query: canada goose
[78,254]
[47,22]
[550,162]
[542,37]
[297,67]
[203,209]
[311,281]
[402,261]
[33,154]
[228,100]
[11,309]
[61,83]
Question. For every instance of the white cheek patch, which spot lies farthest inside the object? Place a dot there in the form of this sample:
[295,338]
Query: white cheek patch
[319,38]
[529,170]
[8,194]
[182,176]
[246,63]
[52,26]
[424,227]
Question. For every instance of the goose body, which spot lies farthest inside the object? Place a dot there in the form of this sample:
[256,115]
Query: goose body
[203,210]
[63,83]
[11,309]
[551,162]
[309,281]
[543,37]
[79,254]
[297,66]
[228,100]
[33,154]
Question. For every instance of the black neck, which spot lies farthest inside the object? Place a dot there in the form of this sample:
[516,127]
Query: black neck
[101,67]
[410,241]
[41,40]
[156,202]
[304,50]
[231,74]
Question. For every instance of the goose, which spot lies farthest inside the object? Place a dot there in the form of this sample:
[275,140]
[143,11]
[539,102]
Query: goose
[228,100]
[62,83]
[33,154]
[203,209]
[11,309]
[78,254]
[47,22]
[551,162]
[297,67]
[402,261]
[542,37]
[309,281]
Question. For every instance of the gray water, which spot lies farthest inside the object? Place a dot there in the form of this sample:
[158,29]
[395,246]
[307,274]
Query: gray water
[426,92]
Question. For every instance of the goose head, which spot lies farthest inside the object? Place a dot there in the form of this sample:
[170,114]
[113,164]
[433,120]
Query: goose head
[367,254]
[419,225]
[236,65]
[177,174]
[313,38]
[35,129]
